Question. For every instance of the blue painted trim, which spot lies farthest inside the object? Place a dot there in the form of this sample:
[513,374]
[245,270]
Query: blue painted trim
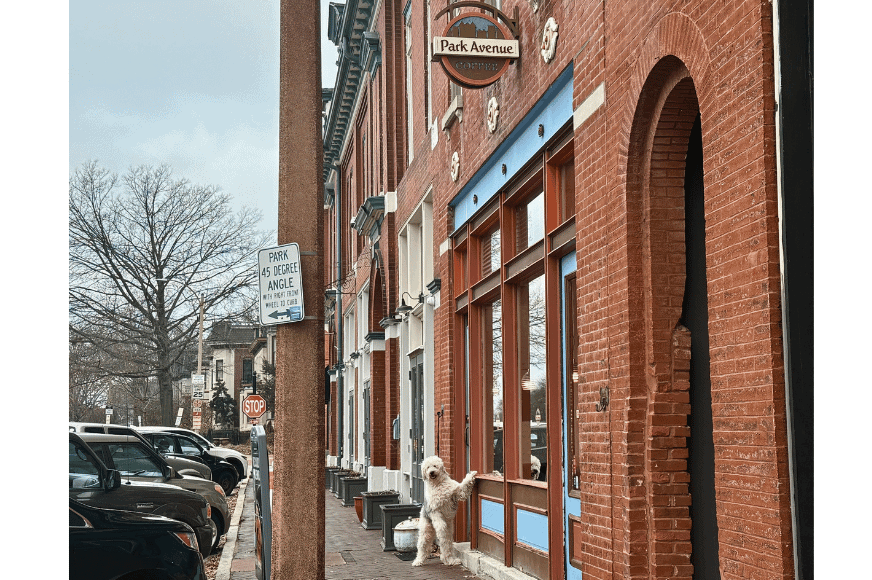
[571,505]
[492,516]
[552,111]
[532,529]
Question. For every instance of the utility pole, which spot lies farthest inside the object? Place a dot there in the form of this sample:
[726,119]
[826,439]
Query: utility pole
[298,474]
[200,344]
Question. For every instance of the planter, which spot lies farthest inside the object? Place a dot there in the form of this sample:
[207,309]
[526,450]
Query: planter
[406,535]
[350,486]
[372,502]
[358,507]
[334,479]
[392,515]
[328,475]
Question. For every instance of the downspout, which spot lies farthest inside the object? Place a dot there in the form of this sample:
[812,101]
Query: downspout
[340,396]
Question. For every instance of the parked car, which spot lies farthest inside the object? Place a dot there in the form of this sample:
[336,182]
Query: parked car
[235,458]
[182,465]
[134,459]
[106,544]
[94,484]
[173,444]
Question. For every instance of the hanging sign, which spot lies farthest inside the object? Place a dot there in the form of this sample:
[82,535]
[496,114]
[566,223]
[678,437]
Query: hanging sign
[475,50]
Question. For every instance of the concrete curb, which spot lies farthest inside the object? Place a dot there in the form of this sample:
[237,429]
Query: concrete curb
[223,572]
[486,567]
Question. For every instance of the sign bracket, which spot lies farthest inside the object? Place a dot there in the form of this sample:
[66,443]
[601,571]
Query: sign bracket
[512,23]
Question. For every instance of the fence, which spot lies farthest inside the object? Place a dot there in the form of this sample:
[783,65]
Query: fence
[234,436]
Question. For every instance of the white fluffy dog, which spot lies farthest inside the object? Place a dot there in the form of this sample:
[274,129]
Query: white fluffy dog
[441,497]
[535,467]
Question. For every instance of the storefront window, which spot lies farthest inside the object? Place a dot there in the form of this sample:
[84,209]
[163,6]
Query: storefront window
[531,369]
[531,222]
[490,248]
[492,380]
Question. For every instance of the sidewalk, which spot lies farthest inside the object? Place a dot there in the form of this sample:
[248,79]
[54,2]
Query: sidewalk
[351,552]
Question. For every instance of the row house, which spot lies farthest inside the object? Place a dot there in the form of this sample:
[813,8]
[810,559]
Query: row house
[230,361]
[568,246]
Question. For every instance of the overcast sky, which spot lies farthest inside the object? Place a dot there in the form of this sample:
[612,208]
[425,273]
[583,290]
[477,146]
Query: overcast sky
[191,84]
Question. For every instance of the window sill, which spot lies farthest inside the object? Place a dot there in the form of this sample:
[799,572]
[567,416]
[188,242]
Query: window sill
[454,112]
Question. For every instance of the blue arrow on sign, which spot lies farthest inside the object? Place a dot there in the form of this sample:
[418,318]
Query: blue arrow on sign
[295,313]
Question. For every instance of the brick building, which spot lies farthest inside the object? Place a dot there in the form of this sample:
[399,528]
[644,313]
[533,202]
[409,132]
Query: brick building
[590,281]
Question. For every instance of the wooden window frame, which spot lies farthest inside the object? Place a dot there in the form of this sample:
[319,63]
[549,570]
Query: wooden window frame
[475,290]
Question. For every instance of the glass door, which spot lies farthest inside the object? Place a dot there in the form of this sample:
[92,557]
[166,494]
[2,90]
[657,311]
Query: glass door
[416,379]
[568,344]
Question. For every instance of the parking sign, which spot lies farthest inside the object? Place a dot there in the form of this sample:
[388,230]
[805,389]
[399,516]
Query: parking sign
[281,285]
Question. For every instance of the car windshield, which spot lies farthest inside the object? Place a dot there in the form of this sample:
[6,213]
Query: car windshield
[84,473]
[131,459]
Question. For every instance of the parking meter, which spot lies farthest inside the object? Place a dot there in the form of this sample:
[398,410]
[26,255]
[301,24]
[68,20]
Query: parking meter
[262,503]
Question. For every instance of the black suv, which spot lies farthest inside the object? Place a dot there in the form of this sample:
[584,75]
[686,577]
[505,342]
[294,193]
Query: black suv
[175,444]
[107,544]
[92,483]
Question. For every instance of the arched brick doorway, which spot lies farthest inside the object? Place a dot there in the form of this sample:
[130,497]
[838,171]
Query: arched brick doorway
[665,215]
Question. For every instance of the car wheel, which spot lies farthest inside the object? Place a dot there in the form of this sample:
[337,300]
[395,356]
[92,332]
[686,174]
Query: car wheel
[227,480]
[207,550]
[219,529]
[240,471]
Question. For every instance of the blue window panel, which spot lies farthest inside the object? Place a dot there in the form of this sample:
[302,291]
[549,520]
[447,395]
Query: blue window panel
[492,516]
[552,111]
[532,529]
[573,505]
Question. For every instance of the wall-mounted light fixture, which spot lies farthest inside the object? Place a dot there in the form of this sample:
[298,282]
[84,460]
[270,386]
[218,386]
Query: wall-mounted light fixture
[403,309]
[331,294]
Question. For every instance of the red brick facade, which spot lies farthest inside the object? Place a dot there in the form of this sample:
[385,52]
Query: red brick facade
[661,64]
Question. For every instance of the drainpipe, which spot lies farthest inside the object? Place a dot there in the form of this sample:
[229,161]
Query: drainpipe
[340,396]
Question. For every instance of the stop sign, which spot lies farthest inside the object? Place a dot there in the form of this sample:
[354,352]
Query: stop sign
[254,406]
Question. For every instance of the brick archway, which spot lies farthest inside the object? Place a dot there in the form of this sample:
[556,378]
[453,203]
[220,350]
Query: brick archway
[658,146]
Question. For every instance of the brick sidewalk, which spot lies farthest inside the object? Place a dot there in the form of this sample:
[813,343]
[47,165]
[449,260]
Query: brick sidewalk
[351,552]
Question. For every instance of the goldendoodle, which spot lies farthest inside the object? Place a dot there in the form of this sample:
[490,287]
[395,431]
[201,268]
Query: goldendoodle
[436,522]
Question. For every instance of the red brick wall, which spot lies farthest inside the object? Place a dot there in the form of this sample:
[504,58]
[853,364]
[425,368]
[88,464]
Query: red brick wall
[630,263]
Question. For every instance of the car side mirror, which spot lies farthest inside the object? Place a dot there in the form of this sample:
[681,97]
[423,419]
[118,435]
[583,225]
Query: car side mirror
[170,473]
[112,480]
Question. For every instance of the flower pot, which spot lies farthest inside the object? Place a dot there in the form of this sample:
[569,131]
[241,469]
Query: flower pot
[334,479]
[372,502]
[349,487]
[358,507]
[328,476]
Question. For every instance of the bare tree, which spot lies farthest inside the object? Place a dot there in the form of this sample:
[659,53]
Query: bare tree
[88,390]
[144,249]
